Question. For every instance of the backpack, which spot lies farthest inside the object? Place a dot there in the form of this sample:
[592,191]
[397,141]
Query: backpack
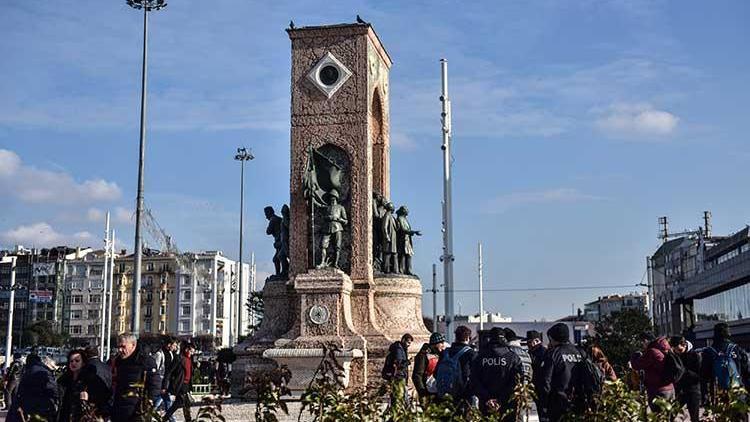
[674,369]
[430,383]
[587,379]
[725,368]
[448,373]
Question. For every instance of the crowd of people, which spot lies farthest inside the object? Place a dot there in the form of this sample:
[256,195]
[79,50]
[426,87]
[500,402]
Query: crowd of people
[134,385]
[484,373]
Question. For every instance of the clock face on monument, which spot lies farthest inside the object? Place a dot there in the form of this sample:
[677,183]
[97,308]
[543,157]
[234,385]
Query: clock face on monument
[319,314]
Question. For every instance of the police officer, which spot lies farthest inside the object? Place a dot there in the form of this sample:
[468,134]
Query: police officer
[557,369]
[495,372]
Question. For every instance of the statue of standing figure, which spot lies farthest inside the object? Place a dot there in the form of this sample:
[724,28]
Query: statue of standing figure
[405,245]
[274,229]
[389,231]
[284,251]
[378,211]
[335,220]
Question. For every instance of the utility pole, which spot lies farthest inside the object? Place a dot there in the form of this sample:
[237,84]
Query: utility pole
[243,154]
[252,286]
[147,6]
[481,291]
[434,299]
[108,340]
[11,304]
[103,307]
[447,257]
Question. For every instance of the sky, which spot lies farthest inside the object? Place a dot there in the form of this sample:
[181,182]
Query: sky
[576,124]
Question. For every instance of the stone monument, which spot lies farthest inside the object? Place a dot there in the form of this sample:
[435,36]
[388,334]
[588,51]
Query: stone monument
[339,167]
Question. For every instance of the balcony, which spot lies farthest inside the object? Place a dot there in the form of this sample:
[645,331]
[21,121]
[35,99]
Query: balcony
[720,277]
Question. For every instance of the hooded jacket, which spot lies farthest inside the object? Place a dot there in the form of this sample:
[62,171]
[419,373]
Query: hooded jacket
[37,392]
[396,362]
[651,362]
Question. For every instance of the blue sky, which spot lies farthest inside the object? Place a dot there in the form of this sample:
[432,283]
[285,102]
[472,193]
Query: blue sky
[576,124]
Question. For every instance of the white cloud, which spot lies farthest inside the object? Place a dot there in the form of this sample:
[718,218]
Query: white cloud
[124,215]
[44,235]
[640,119]
[505,202]
[38,186]
[95,215]
[403,141]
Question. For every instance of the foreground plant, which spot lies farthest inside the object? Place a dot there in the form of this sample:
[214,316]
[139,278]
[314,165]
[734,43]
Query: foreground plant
[268,387]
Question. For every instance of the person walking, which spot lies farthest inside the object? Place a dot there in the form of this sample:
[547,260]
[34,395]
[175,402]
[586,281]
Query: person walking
[537,350]
[12,378]
[495,372]
[600,359]
[96,379]
[159,359]
[171,364]
[453,370]
[689,385]
[71,388]
[135,380]
[557,372]
[652,362]
[182,383]
[425,363]
[725,364]
[37,395]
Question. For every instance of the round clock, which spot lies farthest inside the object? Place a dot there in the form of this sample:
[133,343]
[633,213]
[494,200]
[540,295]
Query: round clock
[319,314]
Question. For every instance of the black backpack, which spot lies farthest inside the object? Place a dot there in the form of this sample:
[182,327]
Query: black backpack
[587,379]
[674,369]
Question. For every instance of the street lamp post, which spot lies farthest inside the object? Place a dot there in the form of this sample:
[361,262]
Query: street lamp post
[9,334]
[243,154]
[147,6]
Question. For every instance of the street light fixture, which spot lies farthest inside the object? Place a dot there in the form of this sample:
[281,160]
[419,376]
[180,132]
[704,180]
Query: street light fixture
[12,286]
[147,6]
[243,154]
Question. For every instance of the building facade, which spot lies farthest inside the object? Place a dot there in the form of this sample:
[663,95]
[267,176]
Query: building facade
[605,306]
[84,292]
[698,281]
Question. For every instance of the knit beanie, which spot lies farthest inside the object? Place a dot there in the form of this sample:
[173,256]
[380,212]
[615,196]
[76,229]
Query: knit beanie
[533,334]
[436,338]
[559,332]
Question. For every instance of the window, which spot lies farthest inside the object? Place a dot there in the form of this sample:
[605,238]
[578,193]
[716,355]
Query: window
[148,311]
[149,281]
[162,295]
[95,284]
[122,268]
[185,325]
[95,298]
[207,310]
[162,310]
[75,329]
[92,329]
[149,297]
[186,295]
[95,272]
[161,326]
[185,310]
[76,285]
[92,314]
[76,299]
[729,305]
[163,279]
[745,248]
[76,314]
[150,266]
[147,326]
[185,280]
[206,325]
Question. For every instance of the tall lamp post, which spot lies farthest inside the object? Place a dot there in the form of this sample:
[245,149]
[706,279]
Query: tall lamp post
[9,333]
[147,6]
[243,154]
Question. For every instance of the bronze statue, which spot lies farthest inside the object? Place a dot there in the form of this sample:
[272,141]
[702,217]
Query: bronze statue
[274,229]
[389,233]
[335,220]
[284,251]
[378,211]
[405,245]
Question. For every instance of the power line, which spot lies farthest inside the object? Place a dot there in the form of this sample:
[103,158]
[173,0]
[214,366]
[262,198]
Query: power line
[561,288]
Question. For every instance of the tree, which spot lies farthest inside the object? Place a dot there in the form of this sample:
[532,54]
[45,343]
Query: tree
[617,334]
[255,310]
[43,333]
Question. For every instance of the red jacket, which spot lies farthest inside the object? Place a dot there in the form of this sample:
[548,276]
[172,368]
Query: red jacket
[652,364]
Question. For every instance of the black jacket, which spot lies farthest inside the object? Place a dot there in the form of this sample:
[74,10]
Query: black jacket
[96,377]
[465,363]
[37,392]
[418,376]
[557,370]
[396,365]
[690,382]
[127,374]
[171,364]
[495,371]
[537,357]
[177,374]
[70,402]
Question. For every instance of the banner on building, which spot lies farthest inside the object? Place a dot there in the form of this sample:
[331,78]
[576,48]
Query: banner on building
[44,269]
[40,296]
